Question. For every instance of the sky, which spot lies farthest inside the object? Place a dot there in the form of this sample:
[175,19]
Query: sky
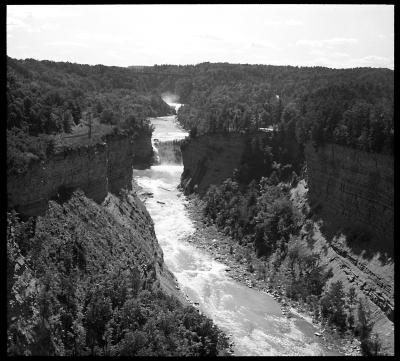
[336,36]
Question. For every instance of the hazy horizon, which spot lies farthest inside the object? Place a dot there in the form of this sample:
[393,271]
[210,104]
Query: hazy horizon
[333,36]
[195,64]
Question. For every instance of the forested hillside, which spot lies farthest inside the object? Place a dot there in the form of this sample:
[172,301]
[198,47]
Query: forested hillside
[352,107]
[46,100]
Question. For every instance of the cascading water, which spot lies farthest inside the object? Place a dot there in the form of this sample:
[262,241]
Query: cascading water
[168,151]
[253,318]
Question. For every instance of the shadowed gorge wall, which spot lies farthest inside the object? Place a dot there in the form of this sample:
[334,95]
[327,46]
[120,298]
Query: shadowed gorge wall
[353,190]
[96,169]
[350,190]
[210,159]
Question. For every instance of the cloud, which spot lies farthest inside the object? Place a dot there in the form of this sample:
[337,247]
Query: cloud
[263,45]
[272,22]
[321,61]
[383,36]
[65,43]
[15,22]
[41,11]
[340,55]
[288,22]
[102,38]
[328,43]
[318,52]
[374,61]
[209,37]
[292,22]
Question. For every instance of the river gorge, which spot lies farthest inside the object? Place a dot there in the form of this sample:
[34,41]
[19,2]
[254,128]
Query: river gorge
[253,319]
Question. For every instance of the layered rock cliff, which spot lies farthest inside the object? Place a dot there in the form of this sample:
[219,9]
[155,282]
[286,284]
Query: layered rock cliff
[129,211]
[210,160]
[353,191]
[372,277]
[96,169]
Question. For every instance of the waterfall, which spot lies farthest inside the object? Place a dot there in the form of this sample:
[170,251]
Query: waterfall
[167,138]
[168,152]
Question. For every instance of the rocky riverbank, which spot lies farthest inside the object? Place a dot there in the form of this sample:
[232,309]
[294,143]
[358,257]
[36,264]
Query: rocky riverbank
[233,255]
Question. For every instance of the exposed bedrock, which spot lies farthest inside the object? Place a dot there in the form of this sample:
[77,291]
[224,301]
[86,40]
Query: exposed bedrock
[210,159]
[353,191]
[350,190]
[96,169]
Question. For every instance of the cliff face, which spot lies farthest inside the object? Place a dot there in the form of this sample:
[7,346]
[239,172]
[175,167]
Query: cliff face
[372,278]
[353,190]
[83,264]
[97,170]
[350,190]
[129,212]
[210,159]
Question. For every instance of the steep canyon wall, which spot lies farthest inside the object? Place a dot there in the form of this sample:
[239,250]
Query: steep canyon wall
[96,169]
[353,190]
[350,190]
[210,159]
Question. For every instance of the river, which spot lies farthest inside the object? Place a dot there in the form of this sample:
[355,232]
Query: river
[252,318]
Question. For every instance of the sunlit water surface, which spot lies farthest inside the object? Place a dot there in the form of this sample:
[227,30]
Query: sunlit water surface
[253,318]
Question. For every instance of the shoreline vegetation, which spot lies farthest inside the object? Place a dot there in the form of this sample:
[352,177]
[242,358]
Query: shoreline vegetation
[223,249]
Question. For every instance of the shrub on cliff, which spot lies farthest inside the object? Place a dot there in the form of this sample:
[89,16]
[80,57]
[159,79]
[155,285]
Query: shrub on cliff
[332,306]
[371,346]
[23,315]
[193,132]
[307,275]
[261,212]
[23,148]
[370,342]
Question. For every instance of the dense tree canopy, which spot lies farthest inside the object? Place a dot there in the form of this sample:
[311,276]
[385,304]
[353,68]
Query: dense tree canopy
[353,107]
[46,98]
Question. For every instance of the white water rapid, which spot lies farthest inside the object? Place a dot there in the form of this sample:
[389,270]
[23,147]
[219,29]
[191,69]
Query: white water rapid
[252,318]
